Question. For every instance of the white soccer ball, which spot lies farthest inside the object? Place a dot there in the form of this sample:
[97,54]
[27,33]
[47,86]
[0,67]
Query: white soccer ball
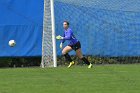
[12,43]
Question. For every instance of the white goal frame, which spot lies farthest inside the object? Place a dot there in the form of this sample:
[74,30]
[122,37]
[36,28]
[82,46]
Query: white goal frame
[48,13]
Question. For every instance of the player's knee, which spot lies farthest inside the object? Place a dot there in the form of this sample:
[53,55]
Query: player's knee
[63,52]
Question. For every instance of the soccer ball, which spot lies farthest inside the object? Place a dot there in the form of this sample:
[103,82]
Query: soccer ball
[12,43]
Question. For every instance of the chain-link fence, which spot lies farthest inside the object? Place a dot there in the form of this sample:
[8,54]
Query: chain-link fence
[108,29]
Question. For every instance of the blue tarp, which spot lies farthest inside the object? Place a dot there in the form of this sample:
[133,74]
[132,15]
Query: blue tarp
[22,21]
[104,27]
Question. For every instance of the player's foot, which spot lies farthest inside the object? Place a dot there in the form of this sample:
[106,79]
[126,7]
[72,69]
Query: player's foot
[90,66]
[71,63]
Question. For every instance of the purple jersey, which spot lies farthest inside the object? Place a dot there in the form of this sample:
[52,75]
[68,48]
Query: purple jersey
[68,35]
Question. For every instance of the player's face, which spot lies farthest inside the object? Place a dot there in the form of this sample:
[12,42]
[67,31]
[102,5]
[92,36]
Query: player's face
[65,25]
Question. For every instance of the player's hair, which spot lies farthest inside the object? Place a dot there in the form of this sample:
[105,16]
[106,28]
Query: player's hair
[67,22]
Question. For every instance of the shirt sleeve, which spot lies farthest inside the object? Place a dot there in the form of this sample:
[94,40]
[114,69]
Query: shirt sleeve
[63,40]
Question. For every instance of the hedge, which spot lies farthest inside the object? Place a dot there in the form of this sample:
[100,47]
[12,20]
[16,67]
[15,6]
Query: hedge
[35,61]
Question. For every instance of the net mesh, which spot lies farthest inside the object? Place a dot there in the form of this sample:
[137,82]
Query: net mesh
[106,28]
[47,46]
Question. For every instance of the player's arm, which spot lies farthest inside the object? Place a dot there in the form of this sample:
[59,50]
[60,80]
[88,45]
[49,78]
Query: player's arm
[62,41]
[67,37]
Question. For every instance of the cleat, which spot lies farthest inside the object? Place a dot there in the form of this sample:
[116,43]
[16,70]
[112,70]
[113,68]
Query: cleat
[90,66]
[71,63]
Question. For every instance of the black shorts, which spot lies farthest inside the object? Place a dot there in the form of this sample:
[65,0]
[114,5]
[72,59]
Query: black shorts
[76,46]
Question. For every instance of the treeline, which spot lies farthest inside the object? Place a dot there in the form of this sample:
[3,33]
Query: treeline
[35,61]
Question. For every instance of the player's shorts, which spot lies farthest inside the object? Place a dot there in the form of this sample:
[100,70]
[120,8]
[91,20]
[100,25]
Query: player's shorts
[76,46]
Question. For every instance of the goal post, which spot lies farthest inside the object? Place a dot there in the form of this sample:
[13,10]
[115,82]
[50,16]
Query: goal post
[48,39]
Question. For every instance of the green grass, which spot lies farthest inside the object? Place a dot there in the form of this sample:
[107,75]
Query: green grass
[100,79]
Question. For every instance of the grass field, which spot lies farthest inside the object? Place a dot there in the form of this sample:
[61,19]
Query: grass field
[100,79]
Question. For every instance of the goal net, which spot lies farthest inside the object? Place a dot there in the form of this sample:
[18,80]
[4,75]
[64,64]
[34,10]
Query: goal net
[48,40]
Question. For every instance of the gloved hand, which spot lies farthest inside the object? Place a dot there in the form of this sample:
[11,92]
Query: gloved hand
[61,45]
[59,37]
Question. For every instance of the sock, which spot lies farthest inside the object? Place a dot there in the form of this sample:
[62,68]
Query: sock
[86,61]
[67,56]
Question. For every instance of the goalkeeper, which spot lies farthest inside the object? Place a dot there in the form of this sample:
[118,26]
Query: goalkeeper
[73,45]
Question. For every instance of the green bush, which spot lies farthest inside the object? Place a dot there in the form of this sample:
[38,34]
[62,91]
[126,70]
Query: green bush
[20,62]
[35,61]
[101,60]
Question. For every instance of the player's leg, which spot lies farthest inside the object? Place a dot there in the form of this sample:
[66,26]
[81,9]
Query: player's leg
[77,48]
[67,56]
[80,55]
